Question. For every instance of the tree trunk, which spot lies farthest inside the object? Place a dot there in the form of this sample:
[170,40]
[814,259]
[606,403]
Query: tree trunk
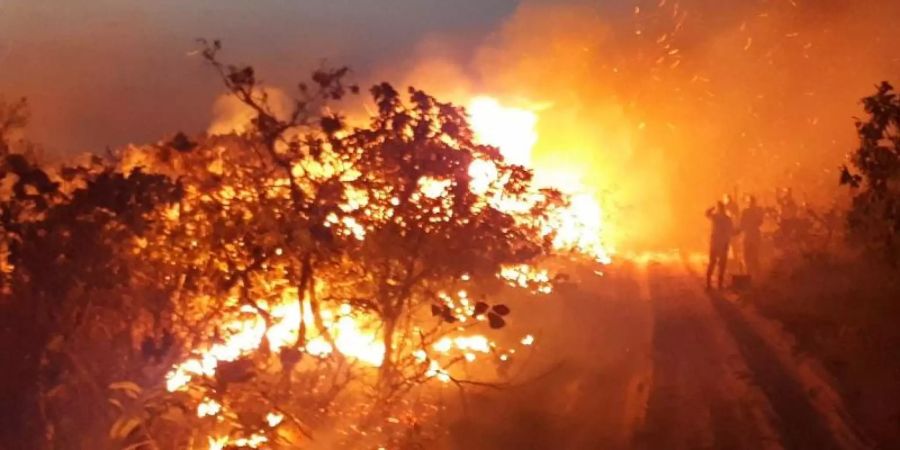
[386,371]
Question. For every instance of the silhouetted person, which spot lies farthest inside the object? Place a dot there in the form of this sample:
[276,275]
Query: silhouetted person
[733,209]
[720,241]
[751,222]
[788,204]
[789,217]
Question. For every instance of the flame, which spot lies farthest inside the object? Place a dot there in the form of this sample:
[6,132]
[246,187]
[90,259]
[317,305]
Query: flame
[528,340]
[476,343]
[577,226]
[245,336]
[208,407]
[274,418]
[525,276]
[513,130]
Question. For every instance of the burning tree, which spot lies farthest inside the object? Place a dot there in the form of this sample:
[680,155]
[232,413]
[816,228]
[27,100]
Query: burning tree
[875,216]
[297,276]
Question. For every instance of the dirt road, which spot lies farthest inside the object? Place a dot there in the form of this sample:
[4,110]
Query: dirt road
[645,358]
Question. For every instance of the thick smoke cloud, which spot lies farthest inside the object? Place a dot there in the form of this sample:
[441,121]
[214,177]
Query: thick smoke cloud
[661,106]
[666,105]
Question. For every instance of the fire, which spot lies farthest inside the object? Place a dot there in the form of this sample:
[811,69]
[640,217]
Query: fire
[475,343]
[511,130]
[525,276]
[246,336]
[355,334]
[514,132]
[208,407]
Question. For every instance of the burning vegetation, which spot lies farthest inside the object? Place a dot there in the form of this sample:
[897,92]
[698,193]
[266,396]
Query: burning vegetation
[323,266]
[257,288]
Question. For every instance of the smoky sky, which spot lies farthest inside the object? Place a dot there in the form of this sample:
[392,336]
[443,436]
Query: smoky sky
[108,72]
[665,104]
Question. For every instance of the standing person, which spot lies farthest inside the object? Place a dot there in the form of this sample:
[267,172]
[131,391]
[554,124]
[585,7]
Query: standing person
[751,222]
[720,241]
[732,204]
[733,209]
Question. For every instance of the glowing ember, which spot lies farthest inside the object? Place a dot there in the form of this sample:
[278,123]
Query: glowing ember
[525,276]
[435,371]
[208,407]
[433,188]
[476,343]
[274,418]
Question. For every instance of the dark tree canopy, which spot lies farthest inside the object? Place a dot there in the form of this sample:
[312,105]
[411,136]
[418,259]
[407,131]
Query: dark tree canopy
[874,218]
[268,283]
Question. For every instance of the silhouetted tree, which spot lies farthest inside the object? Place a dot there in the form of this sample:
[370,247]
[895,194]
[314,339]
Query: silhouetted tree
[63,270]
[874,219]
[118,269]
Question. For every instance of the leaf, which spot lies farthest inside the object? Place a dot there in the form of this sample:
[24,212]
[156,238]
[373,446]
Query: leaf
[480,308]
[129,388]
[436,310]
[848,178]
[501,309]
[448,316]
[123,427]
[242,77]
[182,143]
[173,414]
[331,124]
[237,371]
[495,321]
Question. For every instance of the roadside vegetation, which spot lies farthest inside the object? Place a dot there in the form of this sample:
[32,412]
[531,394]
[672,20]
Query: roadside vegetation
[835,285]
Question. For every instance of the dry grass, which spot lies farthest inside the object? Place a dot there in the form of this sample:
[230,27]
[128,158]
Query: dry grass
[846,313]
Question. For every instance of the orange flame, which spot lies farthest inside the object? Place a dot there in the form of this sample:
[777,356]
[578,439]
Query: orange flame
[578,226]
[513,131]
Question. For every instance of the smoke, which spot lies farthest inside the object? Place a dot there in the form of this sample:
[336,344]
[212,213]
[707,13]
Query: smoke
[663,106]
[658,106]
[103,73]
[231,115]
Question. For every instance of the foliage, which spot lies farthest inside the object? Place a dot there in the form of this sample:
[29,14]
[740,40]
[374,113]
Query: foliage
[266,285]
[65,274]
[803,230]
[842,312]
[875,216]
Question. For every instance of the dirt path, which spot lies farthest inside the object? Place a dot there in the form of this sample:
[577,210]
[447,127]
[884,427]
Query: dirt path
[647,359]
[596,348]
[703,395]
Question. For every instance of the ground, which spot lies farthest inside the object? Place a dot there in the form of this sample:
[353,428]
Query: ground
[645,358]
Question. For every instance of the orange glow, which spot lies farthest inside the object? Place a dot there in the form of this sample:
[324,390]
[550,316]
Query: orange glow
[576,225]
[581,225]
[512,130]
